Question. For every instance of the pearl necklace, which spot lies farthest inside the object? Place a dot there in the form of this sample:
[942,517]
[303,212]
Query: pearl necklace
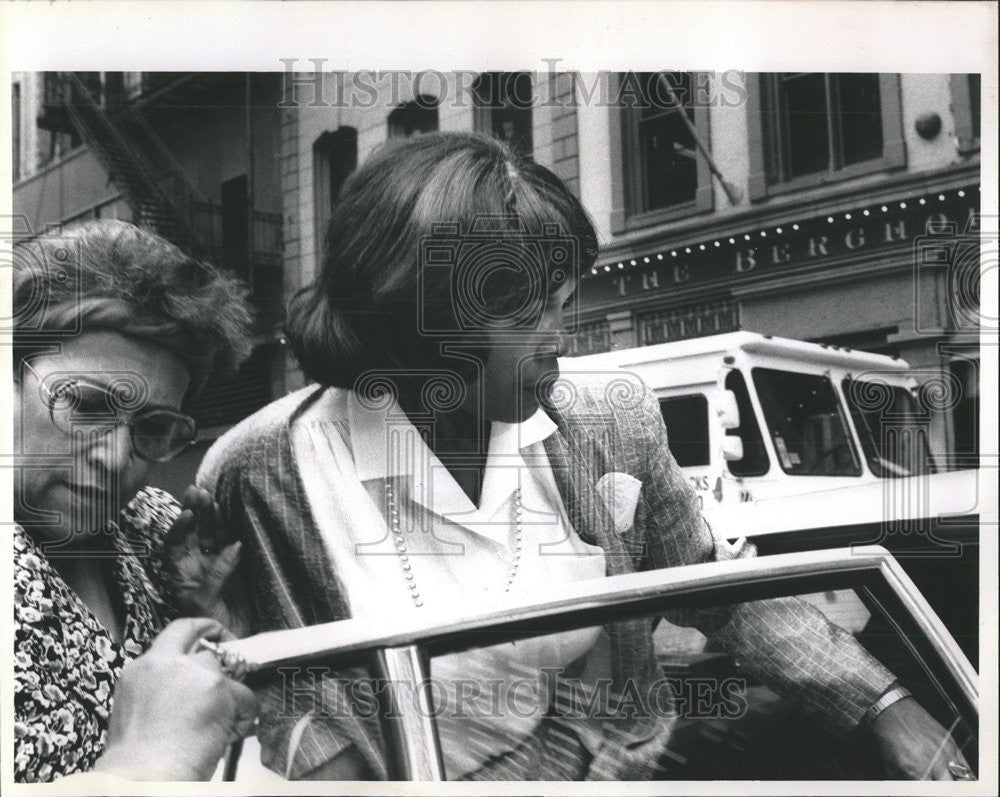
[404,558]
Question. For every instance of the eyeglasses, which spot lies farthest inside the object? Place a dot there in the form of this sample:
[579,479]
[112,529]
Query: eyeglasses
[158,434]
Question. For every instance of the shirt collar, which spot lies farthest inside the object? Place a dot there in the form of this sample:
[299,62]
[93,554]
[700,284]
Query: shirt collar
[432,485]
[371,427]
[370,430]
[505,464]
[512,438]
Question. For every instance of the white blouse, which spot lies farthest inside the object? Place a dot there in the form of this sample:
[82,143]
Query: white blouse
[460,554]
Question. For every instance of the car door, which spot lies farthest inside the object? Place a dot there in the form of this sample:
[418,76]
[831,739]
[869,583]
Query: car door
[529,691]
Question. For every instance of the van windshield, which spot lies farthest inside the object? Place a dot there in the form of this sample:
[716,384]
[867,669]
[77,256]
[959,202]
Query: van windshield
[893,434]
[806,423]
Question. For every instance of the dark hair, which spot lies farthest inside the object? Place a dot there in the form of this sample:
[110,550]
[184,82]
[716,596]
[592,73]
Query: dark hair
[435,238]
[110,274]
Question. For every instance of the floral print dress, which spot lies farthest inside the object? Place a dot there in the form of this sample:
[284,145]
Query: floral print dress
[66,662]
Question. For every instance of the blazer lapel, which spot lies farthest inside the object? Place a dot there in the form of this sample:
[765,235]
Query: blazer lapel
[632,656]
[573,464]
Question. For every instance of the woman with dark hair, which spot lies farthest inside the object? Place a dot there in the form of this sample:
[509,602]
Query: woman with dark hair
[442,462]
[115,330]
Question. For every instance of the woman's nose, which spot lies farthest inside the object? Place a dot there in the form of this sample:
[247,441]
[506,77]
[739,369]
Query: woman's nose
[111,445]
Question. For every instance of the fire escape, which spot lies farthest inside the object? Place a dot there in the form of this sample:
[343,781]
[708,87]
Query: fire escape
[109,117]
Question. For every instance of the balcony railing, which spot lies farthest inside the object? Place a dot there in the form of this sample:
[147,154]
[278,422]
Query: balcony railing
[682,323]
[227,401]
[256,259]
[591,338]
[265,233]
[102,107]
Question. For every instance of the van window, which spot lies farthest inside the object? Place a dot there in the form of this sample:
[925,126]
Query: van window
[893,434]
[755,461]
[686,418]
[806,423]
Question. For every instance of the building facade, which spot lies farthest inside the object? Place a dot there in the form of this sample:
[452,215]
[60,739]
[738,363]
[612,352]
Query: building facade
[193,156]
[837,208]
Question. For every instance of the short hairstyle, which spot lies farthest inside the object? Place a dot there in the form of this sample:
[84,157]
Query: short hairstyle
[380,302]
[109,274]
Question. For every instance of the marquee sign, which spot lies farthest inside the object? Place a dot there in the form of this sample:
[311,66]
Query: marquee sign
[889,226]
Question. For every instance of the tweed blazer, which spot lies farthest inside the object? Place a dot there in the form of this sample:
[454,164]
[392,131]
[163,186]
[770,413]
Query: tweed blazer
[605,424]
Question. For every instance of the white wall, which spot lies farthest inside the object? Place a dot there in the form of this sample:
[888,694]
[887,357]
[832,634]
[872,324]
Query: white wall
[594,128]
[923,94]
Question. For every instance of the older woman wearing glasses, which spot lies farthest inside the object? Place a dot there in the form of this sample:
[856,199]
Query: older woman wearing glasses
[115,329]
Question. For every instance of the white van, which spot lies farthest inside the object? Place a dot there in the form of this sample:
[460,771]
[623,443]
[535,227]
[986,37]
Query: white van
[753,418]
[801,446]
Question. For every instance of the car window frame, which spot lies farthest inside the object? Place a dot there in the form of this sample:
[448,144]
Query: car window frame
[399,649]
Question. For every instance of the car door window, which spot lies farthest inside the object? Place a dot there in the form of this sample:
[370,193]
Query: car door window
[549,691]
[538,708]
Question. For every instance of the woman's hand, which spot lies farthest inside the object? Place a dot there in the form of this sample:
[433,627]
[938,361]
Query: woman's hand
[200,558]
[174,711]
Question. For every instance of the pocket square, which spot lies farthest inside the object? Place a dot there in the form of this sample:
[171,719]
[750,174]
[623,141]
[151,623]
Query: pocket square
[620,493]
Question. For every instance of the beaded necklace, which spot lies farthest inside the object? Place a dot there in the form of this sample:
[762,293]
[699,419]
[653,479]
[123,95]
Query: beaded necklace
[404,558]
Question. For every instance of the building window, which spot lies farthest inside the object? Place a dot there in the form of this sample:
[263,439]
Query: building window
[682,323]
[809,128]
[235,224]
[61,135]
[591,337]
[565,131]
[503,103]
[657,172]
[417,116]
[15,116]
[335,156]
[965,96]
